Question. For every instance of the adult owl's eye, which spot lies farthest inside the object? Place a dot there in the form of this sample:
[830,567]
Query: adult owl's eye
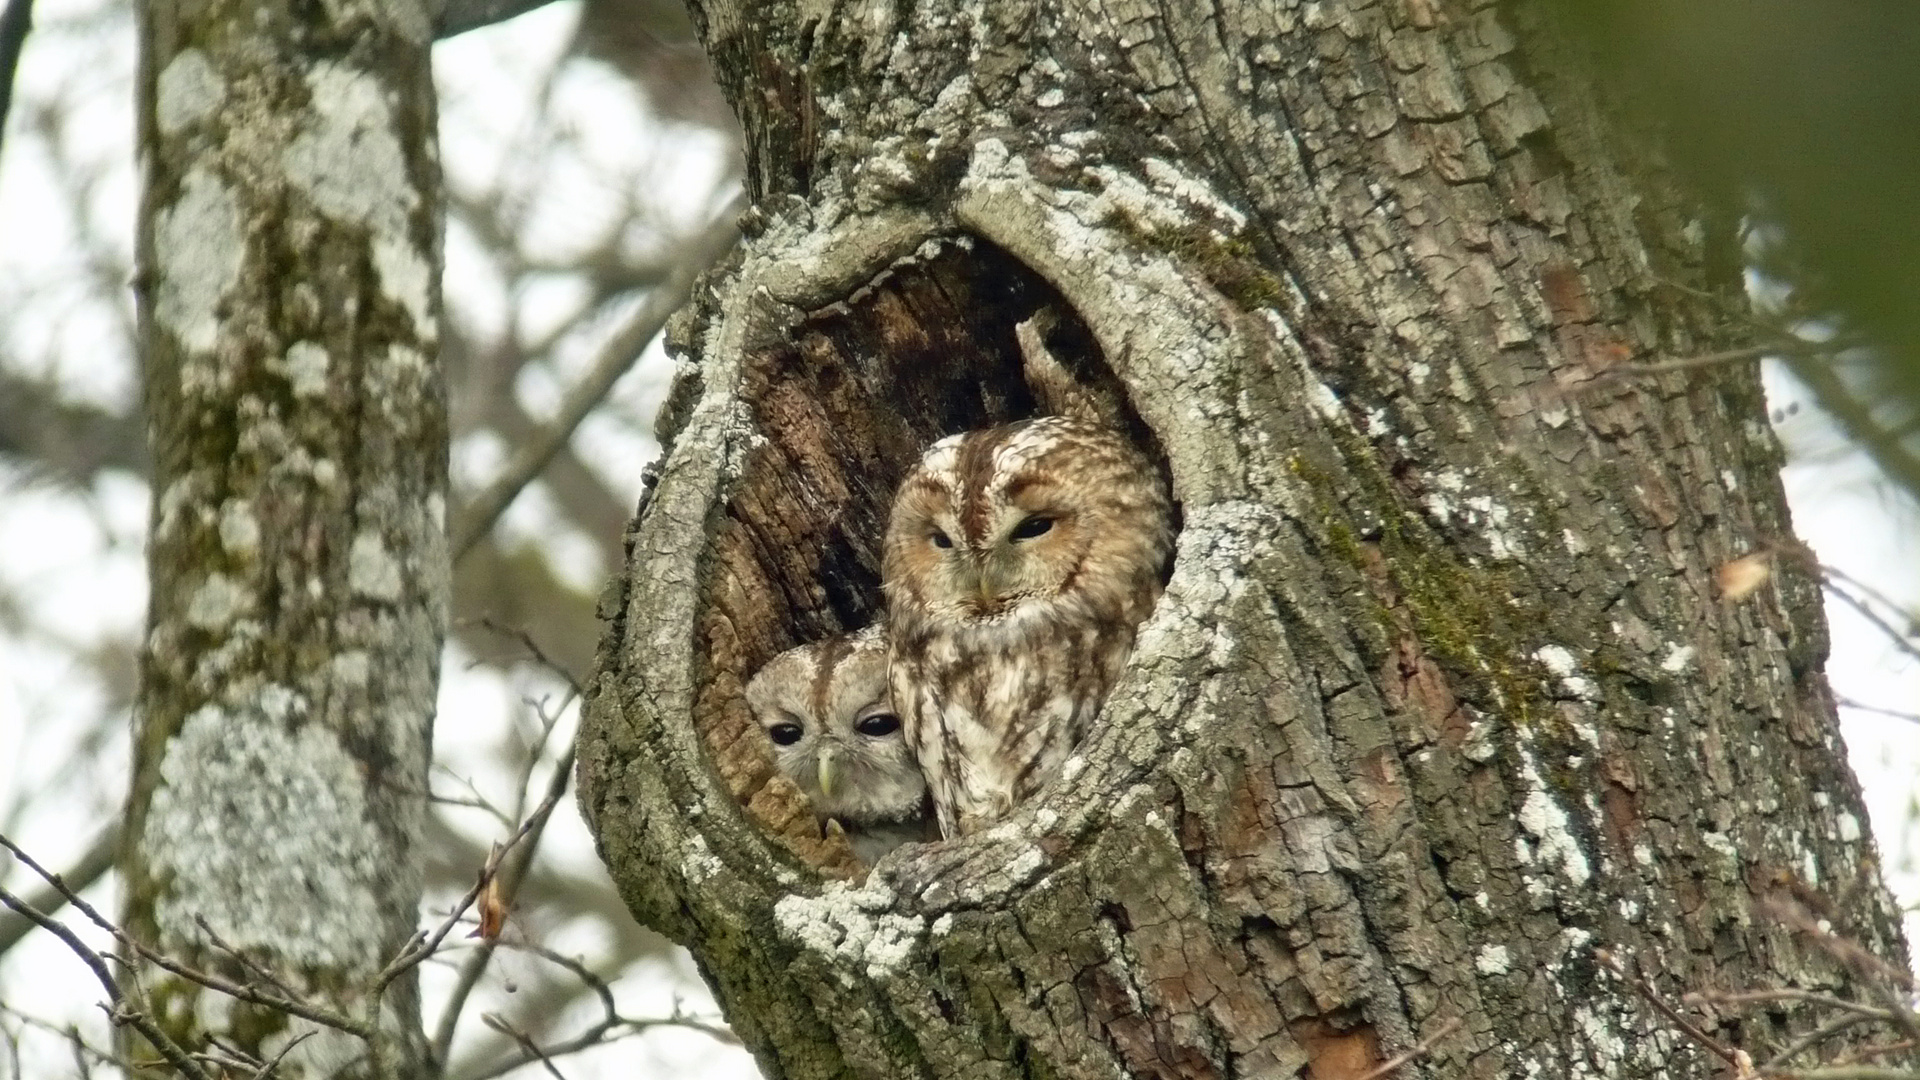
[941,540]
[878,726]
[784,734]
[1032,527]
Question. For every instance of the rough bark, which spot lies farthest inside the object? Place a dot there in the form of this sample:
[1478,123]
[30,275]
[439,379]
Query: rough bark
[290,261]
[1442,696]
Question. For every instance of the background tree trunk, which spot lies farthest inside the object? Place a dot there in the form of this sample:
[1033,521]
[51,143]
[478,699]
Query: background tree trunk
[1443,695]
[290,252]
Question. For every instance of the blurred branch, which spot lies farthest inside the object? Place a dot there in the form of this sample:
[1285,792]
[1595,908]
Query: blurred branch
[95,862]
[1421,1049]
[15,22]
[1839,585]
[1848,703]
[1674,1016]
[1856,419]
[615,358]
[460,16]
[72,441]
[1780,343]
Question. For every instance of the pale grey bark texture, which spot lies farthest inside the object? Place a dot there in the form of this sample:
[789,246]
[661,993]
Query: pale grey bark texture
[290,263]
[1442,697]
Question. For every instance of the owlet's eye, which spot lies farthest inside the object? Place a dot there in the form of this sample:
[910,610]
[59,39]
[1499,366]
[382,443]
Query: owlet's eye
[1032,527]
[941,540]
[784,734]
[878,726]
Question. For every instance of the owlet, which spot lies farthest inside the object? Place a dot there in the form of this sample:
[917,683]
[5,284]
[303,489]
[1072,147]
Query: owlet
[825,708]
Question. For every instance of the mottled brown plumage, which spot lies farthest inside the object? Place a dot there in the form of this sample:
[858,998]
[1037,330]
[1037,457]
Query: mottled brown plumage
[1018,565]
[824,707]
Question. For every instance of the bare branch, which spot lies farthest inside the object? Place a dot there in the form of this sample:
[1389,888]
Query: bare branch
[611,1027]
[302,1009]
[527,1045]
[1811,1039]
[1418,1050]
[512,874]
[526,641]
[1848,1073]
[119,1012]
[424,945]
[284,1051]
[93,864]
[1673,1015]
[1768,997]
[1886,981]
[242,958]
[1836,578]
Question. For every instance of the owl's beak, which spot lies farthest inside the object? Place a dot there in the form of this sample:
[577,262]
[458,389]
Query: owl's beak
[988,586]
[828,774]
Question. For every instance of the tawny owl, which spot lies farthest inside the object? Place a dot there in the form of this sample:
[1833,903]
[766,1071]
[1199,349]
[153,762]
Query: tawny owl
[825,708]
[1019,562]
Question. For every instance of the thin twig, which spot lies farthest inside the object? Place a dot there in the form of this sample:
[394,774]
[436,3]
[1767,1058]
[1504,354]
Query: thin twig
[423,945]
[1690,363]
[119,1012]
[1893,633]
[1767,997]
[525,1041]
[267,1072]
[610,1028]
[534,650]
[1869,591]
[1856,420]
[1782,345]
[244,960]
[302,1009]
[1646,990]
[1833,1026]
[1418,1050]
[1860,1052]
[615,358]
[91,867]
[511,876]
[1885,981]
[70,1034]
[1848,1073]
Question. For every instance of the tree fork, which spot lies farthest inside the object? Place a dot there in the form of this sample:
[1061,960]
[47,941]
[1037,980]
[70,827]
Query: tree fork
[1441,696]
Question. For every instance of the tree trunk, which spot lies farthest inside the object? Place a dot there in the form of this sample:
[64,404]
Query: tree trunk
[1442,697]
[290,253]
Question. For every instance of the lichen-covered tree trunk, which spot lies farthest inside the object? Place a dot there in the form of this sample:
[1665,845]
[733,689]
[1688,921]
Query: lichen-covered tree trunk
[1442,697]
[290,254]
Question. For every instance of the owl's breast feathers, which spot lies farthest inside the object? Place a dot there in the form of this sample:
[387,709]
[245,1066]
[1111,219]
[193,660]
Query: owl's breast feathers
[993,715]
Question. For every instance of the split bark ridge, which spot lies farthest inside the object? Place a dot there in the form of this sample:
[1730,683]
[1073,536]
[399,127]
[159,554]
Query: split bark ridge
[1441,696]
